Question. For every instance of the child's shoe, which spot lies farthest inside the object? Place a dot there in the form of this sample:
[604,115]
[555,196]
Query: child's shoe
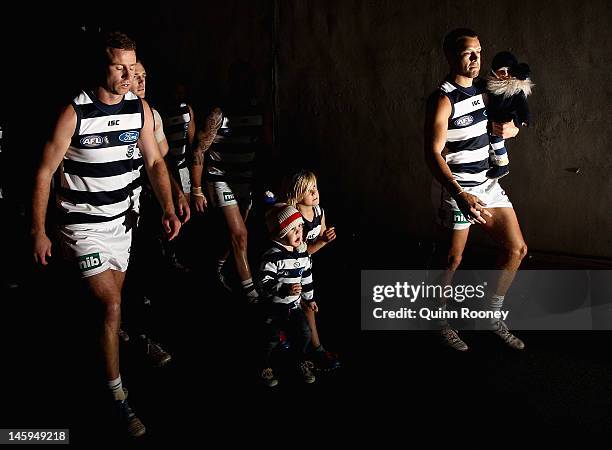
[267,377]
[306,369]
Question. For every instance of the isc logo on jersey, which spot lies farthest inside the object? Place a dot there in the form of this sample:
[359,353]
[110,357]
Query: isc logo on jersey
[464,121]
[129,136]
[93,141]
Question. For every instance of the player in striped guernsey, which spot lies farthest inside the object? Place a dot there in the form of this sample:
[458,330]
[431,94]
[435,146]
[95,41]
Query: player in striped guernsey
[93,144]
[229,141]
[138,88]
[151,207]
[180,131]
[456,151]
[286,287]
[148,226]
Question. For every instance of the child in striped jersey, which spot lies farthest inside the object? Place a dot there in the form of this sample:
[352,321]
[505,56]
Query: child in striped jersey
[508,86]
[304,195]
[286,288]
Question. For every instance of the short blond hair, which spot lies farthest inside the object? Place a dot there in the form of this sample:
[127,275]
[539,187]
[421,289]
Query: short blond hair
[299,184]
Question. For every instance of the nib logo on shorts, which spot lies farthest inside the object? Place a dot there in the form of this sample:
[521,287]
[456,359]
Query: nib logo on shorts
[458,217]
[88,262]
[228,196]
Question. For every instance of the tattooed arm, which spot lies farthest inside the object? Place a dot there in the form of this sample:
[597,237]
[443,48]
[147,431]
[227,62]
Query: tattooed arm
[205,139]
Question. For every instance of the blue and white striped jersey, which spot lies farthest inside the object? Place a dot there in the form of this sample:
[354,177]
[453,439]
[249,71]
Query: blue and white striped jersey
[176,129]
[99,171]
[312,229]
[280,266]
[467,140]
[231,157]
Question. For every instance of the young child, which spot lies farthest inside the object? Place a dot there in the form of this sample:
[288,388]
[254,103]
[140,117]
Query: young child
[508,86]
[286,288]
[304,195]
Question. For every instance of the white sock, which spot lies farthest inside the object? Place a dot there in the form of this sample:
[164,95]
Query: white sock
[116,388]
[495,304]
[249,288]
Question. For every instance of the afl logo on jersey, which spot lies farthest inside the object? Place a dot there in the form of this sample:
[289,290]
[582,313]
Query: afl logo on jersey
[464,121]
[93,141]
[129,136]
[130,150]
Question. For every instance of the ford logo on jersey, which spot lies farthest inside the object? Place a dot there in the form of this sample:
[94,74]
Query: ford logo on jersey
[129,136]
[464,121]
[92,141]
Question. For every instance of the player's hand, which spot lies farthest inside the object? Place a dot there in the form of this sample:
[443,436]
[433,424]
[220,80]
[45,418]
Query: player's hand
[182,205]
[505,130]
[171,224]
[41,248]
[200,203]
[472,208]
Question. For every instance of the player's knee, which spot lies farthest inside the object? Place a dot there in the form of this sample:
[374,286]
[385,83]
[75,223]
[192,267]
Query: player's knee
[518,251]
[112,311]
[454,260]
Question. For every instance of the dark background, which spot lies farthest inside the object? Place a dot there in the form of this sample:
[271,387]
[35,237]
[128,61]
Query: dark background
[347,81]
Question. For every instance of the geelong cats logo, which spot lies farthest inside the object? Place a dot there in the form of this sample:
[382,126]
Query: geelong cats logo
[130,150]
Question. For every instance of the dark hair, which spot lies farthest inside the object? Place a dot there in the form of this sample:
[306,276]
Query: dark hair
[503,59]
[118,40]
[104,42]
[100,53]
[450,40]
